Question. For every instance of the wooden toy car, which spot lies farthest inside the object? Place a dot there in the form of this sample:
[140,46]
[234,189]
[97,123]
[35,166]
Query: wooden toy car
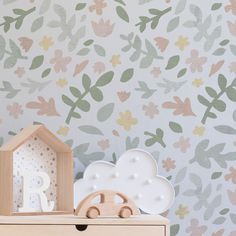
[107,205]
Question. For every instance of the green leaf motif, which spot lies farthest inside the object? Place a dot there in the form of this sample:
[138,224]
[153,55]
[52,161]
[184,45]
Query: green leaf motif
[96,94]
[222,82]
[220,220]
[83,52]
[225,129]
[105,112]
[37,62]
[219,52]
[75,92]
[224,42]
[86,81]
[216,175]
[180,6]
[88,42]
[203,156]
[90,130]
[127,75]
[175,127]
[172,62]
[83,105]
[121,12]
[224,211]
[233,49]
[173,24]
[105,79]
[174,229]
[231,93]
[37,24]
[99,50]
[46,72]
[216,6]
[67,100]
[182,72]
[80,6]
[155,138]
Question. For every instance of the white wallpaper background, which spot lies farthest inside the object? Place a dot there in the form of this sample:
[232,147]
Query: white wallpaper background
[110,75]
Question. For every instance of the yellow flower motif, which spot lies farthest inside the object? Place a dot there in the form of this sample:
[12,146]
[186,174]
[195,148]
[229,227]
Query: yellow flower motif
[182,211]
[199,130]
[115,60]
[46,43]
[126,120]
[181,43]
[197,83]
[63,130]
[62,82]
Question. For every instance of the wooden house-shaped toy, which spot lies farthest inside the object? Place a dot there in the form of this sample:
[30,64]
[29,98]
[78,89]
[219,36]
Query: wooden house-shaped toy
[36,174]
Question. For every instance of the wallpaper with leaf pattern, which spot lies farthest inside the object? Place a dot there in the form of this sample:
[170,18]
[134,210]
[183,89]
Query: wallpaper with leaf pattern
[110,75]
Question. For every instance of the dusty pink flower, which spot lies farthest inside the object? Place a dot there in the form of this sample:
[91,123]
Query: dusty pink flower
[232,67]
[102,28]
[168,164]
[232,27]
[231,175]
[150,110]
[233,233]
[104,144]
[25,43]
[231,7]
[232,196]
[156,72]
[60,62]
[183,144]
[98,6]
[20,71]
[123,95]
[99,67]
[161,43]
[195,229]
[195,61]
[15,110]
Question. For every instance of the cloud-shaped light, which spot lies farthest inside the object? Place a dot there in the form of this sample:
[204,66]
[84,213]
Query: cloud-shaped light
[135,174]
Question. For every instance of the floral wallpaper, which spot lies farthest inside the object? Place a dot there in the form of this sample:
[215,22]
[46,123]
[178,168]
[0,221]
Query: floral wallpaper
[110,75]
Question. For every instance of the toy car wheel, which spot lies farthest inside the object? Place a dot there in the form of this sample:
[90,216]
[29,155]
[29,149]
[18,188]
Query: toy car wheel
[125,212]
[93,212]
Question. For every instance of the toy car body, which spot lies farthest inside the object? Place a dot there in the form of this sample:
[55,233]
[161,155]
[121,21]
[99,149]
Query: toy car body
[107,205]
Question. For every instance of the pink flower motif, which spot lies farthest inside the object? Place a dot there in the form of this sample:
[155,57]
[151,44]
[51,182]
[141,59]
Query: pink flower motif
[102,28]
[231,175]
[195,229]
[232,27]
[183,144]
[20,71]
[156,72]
[60,62]
[98,6]
[168,164]
[195,61]
[104,144]
[98,67]
[232,67]
[150,110]
[232,196]
[15,110]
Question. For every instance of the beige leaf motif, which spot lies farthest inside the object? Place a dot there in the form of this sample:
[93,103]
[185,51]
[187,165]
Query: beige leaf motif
[44,107]
[218,233]
[80,67]
[216,67]
[180,107]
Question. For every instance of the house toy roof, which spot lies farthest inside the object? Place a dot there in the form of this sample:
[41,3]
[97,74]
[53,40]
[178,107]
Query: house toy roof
[41,132]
